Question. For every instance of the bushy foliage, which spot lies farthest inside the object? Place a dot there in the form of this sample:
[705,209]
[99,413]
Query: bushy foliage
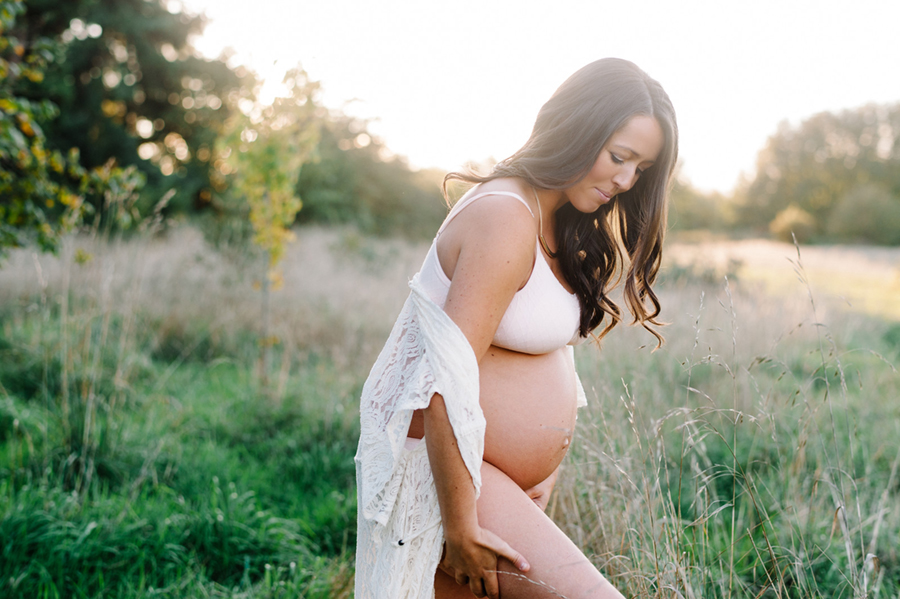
[354,179]
[816,163]
[130,88]
[793,223]
[258,160]
[45,191]
[690,209]
[868,213]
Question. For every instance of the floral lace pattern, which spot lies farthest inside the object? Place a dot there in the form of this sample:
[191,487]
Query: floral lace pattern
[400,538]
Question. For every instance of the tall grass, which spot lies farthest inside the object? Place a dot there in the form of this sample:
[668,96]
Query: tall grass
[755,455]
[137,452]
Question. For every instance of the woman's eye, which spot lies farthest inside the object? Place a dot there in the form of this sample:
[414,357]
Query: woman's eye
[639,171]
[616,159]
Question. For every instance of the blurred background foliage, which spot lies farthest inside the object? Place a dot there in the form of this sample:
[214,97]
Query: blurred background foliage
[116,84]
[837,175]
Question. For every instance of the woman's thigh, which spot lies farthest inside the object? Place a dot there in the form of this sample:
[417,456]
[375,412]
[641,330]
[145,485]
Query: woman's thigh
[558,567]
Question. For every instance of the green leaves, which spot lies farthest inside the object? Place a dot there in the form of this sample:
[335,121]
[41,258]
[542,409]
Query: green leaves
[43,191]
[816,165]
[262,153]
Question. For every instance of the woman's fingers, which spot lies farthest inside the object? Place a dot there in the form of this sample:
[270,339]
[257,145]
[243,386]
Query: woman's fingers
[446,569]
[476,567]
[491,585]
[477,587]
[502,548]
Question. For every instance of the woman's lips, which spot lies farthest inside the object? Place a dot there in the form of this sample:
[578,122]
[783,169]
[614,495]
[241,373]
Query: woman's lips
[603,195]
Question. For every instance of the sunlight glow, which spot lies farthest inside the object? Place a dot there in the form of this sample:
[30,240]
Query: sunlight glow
[444,87]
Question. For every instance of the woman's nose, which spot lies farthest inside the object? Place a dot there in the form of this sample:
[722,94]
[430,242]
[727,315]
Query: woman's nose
[624,179]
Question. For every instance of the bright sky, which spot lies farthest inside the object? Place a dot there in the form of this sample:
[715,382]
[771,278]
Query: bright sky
[451,82]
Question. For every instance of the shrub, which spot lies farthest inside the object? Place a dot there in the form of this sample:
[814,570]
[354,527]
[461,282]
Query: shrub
[793,220]
[868,214]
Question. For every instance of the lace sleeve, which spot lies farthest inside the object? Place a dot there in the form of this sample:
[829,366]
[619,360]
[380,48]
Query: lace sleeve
[425,354]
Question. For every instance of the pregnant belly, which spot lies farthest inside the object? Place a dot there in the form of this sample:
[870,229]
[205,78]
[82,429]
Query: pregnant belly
[529,405]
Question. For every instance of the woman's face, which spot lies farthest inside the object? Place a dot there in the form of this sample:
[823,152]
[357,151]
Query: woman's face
[630,151]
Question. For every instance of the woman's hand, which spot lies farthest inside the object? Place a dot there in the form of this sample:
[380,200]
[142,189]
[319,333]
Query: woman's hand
[470,552]
[471,556]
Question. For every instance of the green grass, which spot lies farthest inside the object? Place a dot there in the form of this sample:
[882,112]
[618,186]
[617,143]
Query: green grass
[182,481]
[755,455]
[745,464]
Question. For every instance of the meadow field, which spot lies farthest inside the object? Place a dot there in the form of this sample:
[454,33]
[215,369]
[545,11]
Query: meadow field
[755,455]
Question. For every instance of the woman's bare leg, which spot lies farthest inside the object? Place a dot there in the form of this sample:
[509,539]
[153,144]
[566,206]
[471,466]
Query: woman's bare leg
[558,567]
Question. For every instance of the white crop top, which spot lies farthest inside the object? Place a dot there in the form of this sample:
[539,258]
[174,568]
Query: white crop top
[542,317]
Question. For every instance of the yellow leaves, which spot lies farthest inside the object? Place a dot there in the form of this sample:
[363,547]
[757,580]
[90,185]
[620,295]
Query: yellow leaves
[33,75]
[56,163]
[69,199]
[83,257]
[270,341]
[276,279]
[25,124]
[112,108]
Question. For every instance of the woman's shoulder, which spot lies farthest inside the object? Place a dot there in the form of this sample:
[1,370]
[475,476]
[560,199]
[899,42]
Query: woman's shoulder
[506,187]
[493,205]
[495,225]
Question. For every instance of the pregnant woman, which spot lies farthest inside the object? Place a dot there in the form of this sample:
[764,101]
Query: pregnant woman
[471,406]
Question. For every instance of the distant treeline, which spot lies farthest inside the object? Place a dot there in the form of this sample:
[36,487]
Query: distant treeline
[835,177]
[119,81]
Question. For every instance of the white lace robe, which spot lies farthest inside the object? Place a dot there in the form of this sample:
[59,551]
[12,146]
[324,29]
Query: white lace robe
[399,537]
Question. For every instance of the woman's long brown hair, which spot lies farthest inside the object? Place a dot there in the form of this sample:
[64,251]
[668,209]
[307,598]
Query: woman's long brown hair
[570,131]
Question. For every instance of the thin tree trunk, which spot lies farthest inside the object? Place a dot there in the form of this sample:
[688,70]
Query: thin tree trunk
[266,344]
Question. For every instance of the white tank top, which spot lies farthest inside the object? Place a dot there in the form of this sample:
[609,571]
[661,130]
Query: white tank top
[542,317]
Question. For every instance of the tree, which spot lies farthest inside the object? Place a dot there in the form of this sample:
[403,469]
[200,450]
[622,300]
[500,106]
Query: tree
[130,87]
[353,178]
[813,165]
[261,155]
[42,191]
[693,210]
[867,213]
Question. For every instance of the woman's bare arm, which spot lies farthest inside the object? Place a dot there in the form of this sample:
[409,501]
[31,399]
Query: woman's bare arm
[471,552]
[492,242]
